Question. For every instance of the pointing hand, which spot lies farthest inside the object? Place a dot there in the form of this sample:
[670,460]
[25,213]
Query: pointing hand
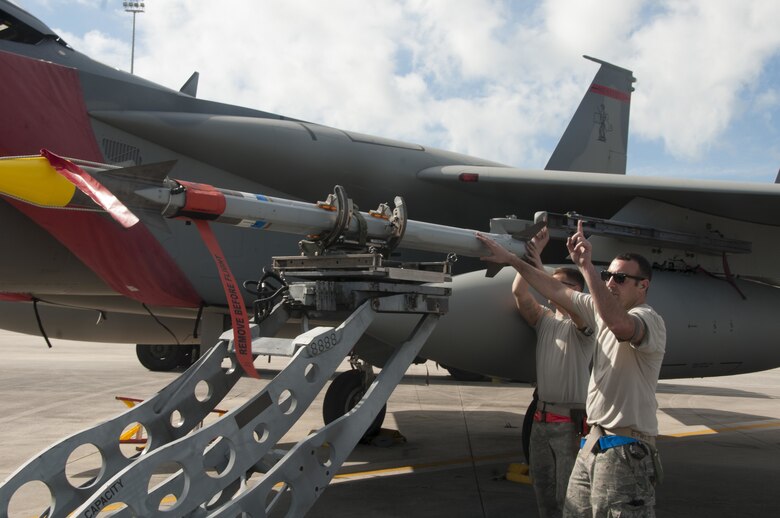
[579,247]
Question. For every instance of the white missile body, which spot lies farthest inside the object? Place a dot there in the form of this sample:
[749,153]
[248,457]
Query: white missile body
[198,201]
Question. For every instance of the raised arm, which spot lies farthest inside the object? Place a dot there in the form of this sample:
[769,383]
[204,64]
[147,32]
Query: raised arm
[534,248]
[529,308]
[623,325]
[546,285]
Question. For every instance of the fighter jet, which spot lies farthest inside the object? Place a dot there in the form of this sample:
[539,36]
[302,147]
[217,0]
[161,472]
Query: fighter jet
[74,274]
[70,271]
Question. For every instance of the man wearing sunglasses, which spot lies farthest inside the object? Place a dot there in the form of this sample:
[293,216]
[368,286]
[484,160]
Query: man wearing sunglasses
[564,349]
[618,466]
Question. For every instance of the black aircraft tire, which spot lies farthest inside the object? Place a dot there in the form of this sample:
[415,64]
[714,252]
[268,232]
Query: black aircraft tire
[343,394]
[160,358]
[189,357]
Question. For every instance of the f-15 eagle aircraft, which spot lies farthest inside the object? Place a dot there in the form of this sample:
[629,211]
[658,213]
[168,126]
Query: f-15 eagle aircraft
[76,275]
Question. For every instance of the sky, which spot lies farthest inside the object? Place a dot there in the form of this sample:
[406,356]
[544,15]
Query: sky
[495,79]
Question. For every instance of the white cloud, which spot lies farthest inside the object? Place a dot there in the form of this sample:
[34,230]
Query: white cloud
[395,69]
[100,47]
[696,60]
[471,78]
[598,26]
[767,100]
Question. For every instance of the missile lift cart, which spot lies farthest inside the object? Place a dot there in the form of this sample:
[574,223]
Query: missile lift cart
[233,466]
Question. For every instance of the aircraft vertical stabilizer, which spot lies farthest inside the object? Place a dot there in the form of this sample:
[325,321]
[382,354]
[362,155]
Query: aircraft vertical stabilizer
[191,86]
[596,139]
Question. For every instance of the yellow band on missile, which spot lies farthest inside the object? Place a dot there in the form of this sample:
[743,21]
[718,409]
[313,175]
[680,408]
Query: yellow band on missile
[35,181]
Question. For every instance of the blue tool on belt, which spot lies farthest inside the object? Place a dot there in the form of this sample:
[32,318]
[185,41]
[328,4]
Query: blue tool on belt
[610,441]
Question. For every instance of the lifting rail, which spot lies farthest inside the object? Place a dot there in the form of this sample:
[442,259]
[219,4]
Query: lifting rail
[566,224]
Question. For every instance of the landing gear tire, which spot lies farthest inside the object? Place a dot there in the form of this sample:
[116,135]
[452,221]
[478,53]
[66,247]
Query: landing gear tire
[190,356]
[161,358]
[343,394]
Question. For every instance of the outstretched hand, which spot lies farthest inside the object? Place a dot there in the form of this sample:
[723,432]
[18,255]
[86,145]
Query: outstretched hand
[498,254]
[579,247]
[541,239]
[535,246]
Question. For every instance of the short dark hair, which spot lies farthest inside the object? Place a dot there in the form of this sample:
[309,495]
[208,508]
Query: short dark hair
[645,268]
[572,275]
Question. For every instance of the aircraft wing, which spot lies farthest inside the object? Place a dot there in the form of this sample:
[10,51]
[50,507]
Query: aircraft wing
[603,195]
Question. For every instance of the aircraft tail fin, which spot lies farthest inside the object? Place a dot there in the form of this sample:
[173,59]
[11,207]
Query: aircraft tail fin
[191,86]
[777,178]
[596,139]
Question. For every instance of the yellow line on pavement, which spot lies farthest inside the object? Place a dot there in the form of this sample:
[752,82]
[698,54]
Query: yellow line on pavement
[721,429]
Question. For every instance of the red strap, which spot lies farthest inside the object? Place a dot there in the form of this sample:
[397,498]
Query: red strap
[549,417]
[242,337]
[92,188]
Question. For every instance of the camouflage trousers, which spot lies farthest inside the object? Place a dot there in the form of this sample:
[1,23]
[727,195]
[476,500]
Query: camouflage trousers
[616,482]
[552,451]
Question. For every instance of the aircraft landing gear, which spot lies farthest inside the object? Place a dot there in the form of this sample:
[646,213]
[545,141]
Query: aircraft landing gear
[164,357]
[344,393]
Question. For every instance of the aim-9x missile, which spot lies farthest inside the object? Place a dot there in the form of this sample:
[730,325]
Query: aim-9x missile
[333,223]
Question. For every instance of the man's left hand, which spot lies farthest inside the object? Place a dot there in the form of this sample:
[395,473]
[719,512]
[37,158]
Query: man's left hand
[498,254]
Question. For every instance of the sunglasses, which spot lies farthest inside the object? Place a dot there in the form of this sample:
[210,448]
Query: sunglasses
[620,278]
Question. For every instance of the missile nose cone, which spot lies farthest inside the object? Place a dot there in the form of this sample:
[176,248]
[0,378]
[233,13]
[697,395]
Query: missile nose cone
[34,180]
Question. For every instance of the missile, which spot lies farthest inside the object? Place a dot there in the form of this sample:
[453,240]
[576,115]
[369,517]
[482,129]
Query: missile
[180,199]
[54,182]
[147,190]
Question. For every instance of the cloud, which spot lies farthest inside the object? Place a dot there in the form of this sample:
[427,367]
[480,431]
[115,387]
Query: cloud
[419,71]
[698,59]
[100,47]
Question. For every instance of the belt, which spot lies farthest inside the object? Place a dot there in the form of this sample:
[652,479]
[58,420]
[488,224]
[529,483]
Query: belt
[549,417]
[601,439]
[558,408]
[610,441]
[630,432]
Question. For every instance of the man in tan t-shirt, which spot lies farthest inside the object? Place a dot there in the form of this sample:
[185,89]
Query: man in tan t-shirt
[564,349]
[617,467]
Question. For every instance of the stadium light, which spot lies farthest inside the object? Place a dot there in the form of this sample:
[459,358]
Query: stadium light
[135,8]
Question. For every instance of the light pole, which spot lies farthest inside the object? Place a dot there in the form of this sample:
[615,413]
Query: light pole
[135,8]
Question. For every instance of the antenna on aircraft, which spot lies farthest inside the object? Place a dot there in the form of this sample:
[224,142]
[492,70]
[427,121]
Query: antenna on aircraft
[135,8]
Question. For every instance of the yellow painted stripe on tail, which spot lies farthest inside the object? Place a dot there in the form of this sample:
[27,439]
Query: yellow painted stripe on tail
[34,180]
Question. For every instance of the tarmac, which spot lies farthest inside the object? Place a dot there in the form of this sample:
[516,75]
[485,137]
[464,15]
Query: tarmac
[720,437]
